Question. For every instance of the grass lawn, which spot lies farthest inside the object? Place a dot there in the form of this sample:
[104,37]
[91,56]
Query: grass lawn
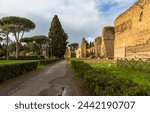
[111,68]
[2,62]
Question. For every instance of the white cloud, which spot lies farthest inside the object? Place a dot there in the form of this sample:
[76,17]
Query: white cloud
[80,18]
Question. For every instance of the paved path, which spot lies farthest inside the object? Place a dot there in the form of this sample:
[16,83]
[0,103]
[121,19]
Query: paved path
[56,80]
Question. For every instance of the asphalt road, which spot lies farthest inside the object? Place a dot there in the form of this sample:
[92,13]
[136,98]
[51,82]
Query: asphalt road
[56,80]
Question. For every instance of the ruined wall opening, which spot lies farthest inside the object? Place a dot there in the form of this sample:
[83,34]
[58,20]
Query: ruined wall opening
[141,16]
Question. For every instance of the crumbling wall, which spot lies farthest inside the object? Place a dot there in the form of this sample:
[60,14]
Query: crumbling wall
[132,28]
[107,47]
[81,51]
[83,48]
[97,46]
[138,51]
[68,53]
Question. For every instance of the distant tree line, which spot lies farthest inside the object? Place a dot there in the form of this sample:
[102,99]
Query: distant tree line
[89,44]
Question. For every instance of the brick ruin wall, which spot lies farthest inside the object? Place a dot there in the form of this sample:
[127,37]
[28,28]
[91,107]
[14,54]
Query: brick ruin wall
[97,46]
[81,51]
[132,31]
[107,47]
[83,48]
[67,53]
[78,53]
[138,51]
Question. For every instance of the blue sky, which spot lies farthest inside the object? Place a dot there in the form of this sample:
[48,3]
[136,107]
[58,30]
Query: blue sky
[107,7]
[79,18]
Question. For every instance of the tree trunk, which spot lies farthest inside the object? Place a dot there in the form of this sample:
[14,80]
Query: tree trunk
[7,39]
[41,50]
[17,50]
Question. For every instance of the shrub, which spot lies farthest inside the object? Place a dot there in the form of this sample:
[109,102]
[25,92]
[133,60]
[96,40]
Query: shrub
[24,58]
[102,83]
[2,58]
[115,86]
[8,71]
[48,61]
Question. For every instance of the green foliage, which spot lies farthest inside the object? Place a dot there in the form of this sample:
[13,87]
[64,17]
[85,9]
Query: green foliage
[24,58]
[2,62]
[12,47]
[36,43]
[58,38]
[73,54]
[27,40]
[2,50]
[41,39]
[27,58]
[118,86]
[73,46]
[1,39]
[42,42]
[48,61]
[32,47]
[137,76]
[17,26]
[100,81]
[18,23]
[89,45]
[8,71]
[5,30]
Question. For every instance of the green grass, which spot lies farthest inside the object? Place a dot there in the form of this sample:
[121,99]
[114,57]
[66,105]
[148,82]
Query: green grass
[104,78]
[3,62]
[111,68]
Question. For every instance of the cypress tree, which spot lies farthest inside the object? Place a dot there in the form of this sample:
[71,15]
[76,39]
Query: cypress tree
[58,38]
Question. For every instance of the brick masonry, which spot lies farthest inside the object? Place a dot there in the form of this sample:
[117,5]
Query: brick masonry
[132,31]
[107,47]
[81,51]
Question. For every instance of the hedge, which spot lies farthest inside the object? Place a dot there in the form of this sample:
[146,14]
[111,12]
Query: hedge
[101,83]
[24,58]
[48,61]
[8,71]
[2,58]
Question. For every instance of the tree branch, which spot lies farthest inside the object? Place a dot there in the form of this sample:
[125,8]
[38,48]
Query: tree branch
[22,34]
[15,36]
[18,35]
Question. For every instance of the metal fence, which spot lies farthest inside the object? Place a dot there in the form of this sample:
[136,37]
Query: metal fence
[135,64]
